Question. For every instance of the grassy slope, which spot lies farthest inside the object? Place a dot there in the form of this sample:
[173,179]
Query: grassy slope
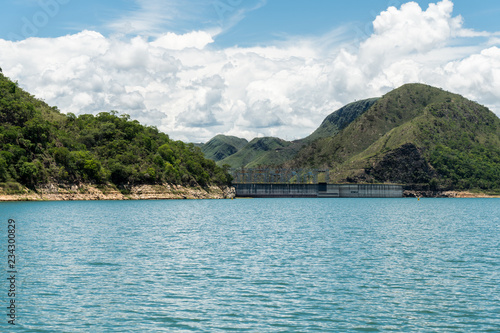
[222,146]
[389,112]
[340,119]
[257,152]
[458,139]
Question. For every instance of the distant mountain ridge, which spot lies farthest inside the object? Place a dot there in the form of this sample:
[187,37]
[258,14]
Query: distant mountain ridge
[416,134]
[261,151]
[222,146]
[274,151]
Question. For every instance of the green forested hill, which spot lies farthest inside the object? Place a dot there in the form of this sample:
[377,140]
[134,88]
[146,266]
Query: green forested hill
[416,134]
[222,146]
[40,145]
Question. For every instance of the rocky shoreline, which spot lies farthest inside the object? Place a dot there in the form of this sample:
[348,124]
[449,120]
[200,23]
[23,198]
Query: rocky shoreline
[53,192]
[446,194]
[84,192]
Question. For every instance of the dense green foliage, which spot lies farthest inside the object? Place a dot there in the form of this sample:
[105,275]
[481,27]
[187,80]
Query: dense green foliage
[463,142]
[475,168]
[39,145]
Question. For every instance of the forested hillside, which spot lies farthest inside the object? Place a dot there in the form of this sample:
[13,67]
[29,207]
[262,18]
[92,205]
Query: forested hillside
[40,145]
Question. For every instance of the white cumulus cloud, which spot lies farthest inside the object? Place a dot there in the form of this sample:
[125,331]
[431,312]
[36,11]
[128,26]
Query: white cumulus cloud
[192,90]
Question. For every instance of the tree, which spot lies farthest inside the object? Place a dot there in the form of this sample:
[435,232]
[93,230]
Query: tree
[28,172]
[3,169]
[166,153]
[92,169]
[120,174]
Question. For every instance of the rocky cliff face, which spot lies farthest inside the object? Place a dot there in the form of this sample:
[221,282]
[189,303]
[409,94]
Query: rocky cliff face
[52,192]
[404,165]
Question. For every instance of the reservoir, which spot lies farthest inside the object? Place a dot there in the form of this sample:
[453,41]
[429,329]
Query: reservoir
[255,265]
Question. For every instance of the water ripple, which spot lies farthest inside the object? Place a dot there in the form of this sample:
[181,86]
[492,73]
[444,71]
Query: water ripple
[288,265]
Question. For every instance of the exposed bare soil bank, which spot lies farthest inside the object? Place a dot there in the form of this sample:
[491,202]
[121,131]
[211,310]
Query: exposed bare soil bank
[142,192]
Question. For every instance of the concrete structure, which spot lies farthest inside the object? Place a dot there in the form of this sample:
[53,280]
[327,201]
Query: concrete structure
[321,190]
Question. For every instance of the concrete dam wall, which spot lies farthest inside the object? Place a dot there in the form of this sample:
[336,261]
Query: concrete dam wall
[321,190]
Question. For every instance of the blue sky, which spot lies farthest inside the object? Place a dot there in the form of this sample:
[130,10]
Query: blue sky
[260,24]
[249,68]
[284,18]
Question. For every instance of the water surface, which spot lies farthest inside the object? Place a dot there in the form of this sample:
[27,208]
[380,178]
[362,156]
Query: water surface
[260,265]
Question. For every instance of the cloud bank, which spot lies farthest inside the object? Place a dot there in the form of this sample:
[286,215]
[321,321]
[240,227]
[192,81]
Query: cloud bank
[192,90]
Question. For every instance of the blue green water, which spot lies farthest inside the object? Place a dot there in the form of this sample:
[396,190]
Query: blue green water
[260,265]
